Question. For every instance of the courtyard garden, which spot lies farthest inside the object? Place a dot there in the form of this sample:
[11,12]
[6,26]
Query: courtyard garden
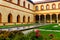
[18,35]
[16,25]
[53,29]
[50,27]
[45,32]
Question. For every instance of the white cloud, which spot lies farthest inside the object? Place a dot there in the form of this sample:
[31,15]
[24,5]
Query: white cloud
[37,0]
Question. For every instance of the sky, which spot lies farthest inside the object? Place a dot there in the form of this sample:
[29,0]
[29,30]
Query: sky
[39,1]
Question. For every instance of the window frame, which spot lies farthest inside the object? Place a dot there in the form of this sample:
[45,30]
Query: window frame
[18,2]
[41,7]
[36,8]
[23,3]
[47,7]
[53,6]
[28,6]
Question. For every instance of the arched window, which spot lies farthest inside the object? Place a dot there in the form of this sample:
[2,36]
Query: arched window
[36,18]
[59,5]
[53,6]
[54,18]
[42,7]
[47,18]
[59,18]
[23,19]
[10,18]
[47,6]
[28,6]
[36,8]
[18,19]
[42,18]
[18,2]
[24,4]
[28,19]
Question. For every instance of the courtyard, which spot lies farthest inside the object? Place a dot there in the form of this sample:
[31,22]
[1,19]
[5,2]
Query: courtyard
[53,29]
[29,20]
[44,31]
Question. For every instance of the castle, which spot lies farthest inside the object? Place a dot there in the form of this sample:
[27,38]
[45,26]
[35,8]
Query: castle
[24,12]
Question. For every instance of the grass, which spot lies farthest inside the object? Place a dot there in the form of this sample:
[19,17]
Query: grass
[45,34]
[11,26]
[50,27]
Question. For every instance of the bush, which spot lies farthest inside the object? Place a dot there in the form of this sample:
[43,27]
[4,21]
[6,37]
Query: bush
[32,36]
[18,35]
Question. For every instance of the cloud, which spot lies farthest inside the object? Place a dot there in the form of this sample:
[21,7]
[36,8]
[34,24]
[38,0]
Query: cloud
[37,1]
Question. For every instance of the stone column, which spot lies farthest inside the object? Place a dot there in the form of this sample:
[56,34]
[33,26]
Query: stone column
[44,18]
[51,19]
[57,18]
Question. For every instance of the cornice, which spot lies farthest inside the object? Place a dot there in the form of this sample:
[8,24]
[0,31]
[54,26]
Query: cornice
[15,9]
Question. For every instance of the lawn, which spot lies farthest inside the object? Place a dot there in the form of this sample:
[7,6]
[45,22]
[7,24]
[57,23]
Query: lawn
[11,26]
[50,27]
[45,34]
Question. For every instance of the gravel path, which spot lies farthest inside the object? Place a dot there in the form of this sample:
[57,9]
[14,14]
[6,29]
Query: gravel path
[22,28]
[50,30]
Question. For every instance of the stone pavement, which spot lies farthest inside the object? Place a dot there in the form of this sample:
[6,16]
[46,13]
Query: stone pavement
[50,30]
[22,28]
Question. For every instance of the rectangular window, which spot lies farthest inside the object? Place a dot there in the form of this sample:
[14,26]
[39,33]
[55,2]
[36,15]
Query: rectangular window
[18,2]
[28,6]
[24,4]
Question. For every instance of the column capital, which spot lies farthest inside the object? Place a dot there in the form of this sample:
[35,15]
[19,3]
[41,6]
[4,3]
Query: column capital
[50,14]
[44,14]
[34,15]
[39,14]
[57,14]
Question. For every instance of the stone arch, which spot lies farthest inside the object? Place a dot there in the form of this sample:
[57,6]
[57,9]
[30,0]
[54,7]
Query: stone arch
[54,19]
[42,18]
[10,18]
[42,7]
[18,19]
[24,19]
[28,19]
[47,6]
[59,5]
[53,6]
[0,18]
[59,18]
[36,8]
[37,18]
[48,18]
